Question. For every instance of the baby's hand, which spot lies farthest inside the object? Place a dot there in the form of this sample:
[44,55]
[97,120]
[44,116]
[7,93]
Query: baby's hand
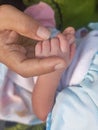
[58,46]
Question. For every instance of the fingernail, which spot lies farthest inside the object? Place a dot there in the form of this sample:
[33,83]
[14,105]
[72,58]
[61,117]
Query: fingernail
[59,66]
[43,33]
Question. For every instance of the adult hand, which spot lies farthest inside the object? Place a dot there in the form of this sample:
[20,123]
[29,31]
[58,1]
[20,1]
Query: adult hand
[13,54]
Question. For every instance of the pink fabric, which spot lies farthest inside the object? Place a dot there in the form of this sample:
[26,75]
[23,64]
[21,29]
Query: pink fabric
[43,13]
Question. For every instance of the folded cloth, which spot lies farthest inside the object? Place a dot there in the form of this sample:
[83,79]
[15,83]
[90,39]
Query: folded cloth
[76,106]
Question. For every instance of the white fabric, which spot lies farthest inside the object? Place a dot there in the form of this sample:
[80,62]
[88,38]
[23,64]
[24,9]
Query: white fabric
[15,99]
[76,106]
[81,61]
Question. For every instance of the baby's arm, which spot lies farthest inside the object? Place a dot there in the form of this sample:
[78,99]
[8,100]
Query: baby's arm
[46,85]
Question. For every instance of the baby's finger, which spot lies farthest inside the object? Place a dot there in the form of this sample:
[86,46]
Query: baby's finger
[46,48]
[69,33]
[64,46]
[69,30]
[55,46]
[38,49]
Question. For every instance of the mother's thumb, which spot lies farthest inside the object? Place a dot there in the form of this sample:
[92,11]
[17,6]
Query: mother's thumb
[13,19]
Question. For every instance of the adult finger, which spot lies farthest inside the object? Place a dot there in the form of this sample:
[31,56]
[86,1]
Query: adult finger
[38,66]
[13,19]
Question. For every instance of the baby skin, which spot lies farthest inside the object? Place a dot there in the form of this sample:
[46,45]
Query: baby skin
[63,46]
